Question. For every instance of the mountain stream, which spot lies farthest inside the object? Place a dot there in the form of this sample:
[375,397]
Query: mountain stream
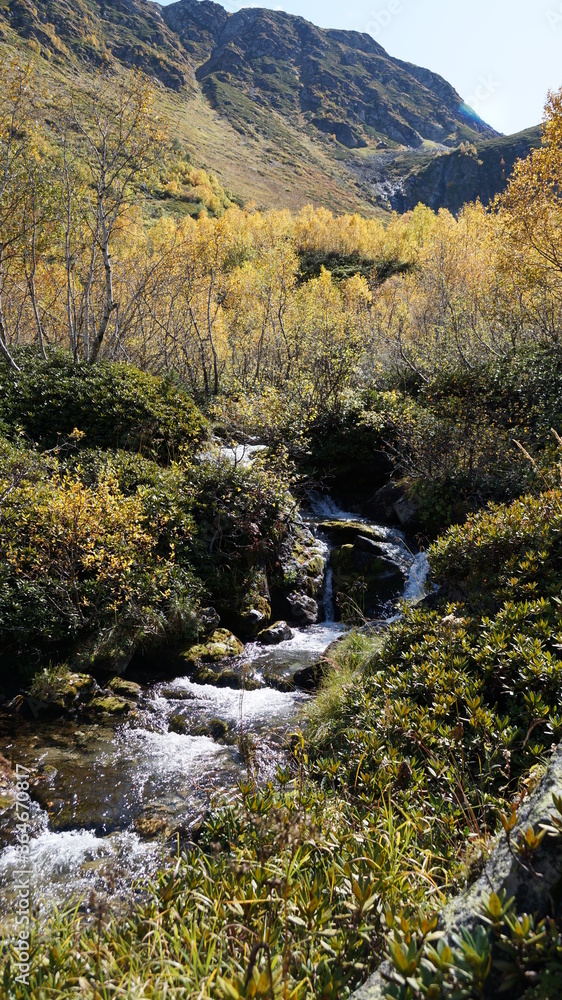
[107,793]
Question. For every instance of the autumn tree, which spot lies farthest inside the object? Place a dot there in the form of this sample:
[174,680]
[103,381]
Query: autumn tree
[107,143]
[530,215]
[16,120]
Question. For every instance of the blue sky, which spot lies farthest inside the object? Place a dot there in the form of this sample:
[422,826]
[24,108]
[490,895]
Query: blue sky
[501,55]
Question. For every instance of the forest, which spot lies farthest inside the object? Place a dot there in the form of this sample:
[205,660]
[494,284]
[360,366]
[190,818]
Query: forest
[146,319]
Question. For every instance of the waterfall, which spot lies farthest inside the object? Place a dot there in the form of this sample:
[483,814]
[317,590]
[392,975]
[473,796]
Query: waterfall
[328,595]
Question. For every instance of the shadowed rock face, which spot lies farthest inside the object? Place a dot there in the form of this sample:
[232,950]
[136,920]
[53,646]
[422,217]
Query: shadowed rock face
[502,871]
[453,179]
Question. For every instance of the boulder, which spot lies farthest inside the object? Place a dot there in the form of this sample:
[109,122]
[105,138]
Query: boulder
[216,729]
[231,677]
[272,636]
[209,618]
[347,531]
[304,609]
[220,645]
[406,512]
[381,506]
[108,704]
[302,559]
[309,678]
[127,689]
[59,692]
[254,619]
[361,572]
[503,871]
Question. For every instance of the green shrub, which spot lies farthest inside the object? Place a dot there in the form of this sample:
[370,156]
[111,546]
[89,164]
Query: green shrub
[112,405]
[80,571]
[452,440]
[504,553]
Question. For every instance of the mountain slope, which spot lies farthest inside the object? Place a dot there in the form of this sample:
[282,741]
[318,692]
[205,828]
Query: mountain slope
[285,112]
[340,83]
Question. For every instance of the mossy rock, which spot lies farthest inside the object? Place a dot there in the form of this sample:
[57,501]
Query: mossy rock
[127,689]
[176,694]
[227,677]
[216,729]
[63,690]
[350,562]
[361,575]
[220,645]
[252,621]
[276,633]
[301,562]
[108,705]
[178,723]
[347,531]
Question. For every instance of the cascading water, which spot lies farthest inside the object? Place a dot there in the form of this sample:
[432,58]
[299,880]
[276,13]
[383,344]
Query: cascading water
[120,786]
[328,594]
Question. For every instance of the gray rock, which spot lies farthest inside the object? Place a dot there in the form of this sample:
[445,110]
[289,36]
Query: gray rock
[254,618]
[302,559]
[303,608]
[405,511]
[502,871]
[272,636]
[210,618]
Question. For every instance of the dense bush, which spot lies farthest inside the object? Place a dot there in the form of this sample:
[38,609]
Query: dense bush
[452,440]
[220,520]
[504,553]
[103,553]
[113,405]
[80,571]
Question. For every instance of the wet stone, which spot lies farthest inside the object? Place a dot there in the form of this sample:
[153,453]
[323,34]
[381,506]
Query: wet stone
[220,645]
[152,824]
[66,691]
[176,694]
[108,705]
[230,677]
[304,609]
[272,636]
[127,689]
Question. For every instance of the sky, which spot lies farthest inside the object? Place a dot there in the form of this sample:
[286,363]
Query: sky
[502,56]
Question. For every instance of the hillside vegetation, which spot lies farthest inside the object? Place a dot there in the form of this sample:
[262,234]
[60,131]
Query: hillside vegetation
[426,351]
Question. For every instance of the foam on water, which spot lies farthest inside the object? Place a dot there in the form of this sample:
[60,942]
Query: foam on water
[167,753]
[240,454]
[233,705]
[414,588]
[325,508]
[150,767]
[71,862]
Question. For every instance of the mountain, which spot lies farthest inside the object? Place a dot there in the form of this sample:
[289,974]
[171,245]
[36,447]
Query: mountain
[286,112]
[340,83]
[449,179]
[465,174]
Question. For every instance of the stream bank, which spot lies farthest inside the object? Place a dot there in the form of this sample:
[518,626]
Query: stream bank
[115,793]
